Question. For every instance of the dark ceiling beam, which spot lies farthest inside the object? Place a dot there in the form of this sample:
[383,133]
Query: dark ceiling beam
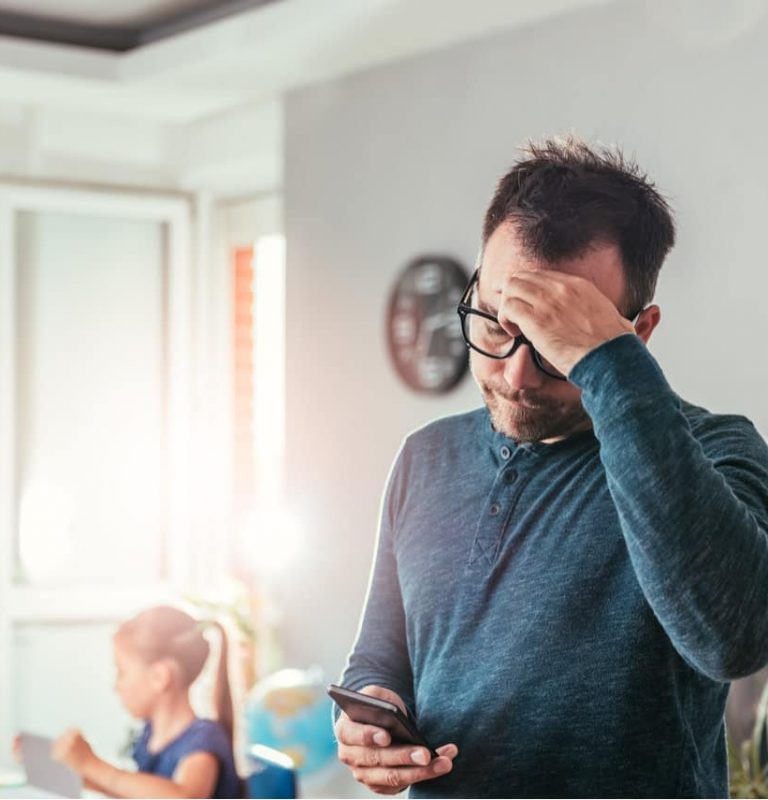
[61,31]
[196,18]
[119,39]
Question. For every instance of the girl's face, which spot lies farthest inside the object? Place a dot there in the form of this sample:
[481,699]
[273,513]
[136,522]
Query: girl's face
[136,681]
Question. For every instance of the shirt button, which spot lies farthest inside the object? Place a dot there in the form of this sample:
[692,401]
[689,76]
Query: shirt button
[510,477]
[495,508]
[505,452]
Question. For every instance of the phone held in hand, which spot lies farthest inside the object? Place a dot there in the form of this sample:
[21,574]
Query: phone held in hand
[367,710]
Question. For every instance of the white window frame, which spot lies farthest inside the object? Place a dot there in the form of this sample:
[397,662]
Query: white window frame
[21,605]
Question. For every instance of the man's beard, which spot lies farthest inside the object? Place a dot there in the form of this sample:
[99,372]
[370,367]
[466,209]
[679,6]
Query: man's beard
[531,417]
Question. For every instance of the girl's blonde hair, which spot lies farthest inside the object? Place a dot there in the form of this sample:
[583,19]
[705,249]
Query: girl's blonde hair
[167,632]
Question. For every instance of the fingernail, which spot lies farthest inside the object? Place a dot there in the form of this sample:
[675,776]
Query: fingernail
[381,738]
[441,766]
[419,757]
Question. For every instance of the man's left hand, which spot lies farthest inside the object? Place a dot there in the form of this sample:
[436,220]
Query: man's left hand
[563,315]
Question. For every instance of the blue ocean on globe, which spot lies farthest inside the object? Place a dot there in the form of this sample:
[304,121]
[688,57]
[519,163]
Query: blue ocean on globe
[290,711]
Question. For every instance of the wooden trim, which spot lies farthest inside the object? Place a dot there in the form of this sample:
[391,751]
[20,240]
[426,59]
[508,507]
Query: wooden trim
[242,373]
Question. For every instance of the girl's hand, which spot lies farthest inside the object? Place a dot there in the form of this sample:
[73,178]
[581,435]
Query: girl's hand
[16,750]
[72,750]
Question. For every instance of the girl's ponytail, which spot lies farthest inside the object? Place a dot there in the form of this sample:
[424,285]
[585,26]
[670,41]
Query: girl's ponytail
[222,694]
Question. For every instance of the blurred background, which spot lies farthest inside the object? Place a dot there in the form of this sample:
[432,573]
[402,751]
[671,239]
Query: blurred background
[206,210]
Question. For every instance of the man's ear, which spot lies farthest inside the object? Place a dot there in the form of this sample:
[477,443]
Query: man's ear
[647,321]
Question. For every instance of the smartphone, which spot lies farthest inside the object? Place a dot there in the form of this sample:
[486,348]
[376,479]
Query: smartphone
[369,710]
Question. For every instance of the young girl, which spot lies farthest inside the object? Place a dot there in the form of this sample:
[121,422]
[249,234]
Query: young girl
[158,655]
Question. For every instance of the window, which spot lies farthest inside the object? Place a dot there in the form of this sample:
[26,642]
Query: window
[96,401]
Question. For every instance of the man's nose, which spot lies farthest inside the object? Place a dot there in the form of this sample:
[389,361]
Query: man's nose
[520,372]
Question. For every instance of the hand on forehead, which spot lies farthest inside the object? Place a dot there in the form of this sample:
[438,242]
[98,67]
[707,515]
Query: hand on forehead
[504,258]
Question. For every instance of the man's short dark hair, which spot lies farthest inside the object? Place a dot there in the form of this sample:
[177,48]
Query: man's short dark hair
[565,197]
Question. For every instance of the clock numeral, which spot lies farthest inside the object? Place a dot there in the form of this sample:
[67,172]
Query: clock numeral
[429,279]
[431,371]
[404,328]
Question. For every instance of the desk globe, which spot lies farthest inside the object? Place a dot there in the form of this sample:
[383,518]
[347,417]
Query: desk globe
[291,712]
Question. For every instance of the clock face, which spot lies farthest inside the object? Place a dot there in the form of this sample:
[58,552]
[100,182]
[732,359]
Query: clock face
[423,328]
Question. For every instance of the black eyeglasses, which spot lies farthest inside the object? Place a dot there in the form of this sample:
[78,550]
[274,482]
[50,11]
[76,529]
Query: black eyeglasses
[483,333]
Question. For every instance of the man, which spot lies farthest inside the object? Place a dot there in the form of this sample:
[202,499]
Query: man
[565,580]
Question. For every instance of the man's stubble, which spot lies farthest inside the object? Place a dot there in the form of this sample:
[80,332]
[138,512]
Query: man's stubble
[526,416]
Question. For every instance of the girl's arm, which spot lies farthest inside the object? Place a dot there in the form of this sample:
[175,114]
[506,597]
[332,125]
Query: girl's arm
[95,787]
[195,776]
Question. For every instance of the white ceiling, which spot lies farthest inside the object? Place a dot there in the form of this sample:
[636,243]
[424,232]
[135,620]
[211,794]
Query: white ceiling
[252,57]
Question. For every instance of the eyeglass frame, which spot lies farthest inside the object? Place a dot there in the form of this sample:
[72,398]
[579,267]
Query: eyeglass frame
[464,309]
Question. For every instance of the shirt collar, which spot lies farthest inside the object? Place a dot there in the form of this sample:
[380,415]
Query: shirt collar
[498,441]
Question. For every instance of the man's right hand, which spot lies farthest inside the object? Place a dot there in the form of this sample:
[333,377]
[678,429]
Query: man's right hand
[384,767]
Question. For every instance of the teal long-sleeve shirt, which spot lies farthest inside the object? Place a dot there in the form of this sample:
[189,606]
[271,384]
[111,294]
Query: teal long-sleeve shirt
[570,614]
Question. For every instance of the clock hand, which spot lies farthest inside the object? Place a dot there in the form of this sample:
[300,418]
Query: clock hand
[430,325]
[440,320]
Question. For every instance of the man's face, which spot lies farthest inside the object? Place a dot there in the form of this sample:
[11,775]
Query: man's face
[524,403]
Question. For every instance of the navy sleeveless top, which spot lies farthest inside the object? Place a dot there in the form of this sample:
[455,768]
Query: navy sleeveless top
[201,736]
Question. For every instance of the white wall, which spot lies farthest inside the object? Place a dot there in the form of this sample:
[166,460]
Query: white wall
[400,160]
[64,678]
[231,154]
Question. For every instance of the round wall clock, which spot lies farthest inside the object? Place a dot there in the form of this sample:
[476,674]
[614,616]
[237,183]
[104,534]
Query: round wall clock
[423,328]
